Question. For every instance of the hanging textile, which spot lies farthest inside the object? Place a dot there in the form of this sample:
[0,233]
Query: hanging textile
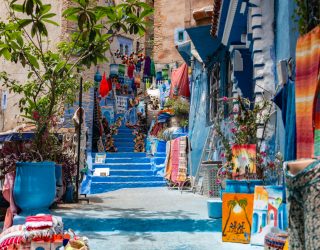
[147,67]
[130,70]
[307,81]
[180,82]
[285,100]
[104,86]
[176,164]
[153,69]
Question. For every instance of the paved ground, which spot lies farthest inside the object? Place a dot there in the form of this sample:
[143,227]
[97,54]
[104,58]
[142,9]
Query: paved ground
[147,219]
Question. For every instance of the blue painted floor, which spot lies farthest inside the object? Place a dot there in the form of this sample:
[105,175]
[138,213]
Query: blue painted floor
[146,219]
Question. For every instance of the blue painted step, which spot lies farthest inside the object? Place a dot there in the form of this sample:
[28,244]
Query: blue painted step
[97,187]
[124,166]
[123,155]
[131,173]
[127,160]
[125,149]
[124,144]
[123,139]
[160,154]
[122,136]
[126,178]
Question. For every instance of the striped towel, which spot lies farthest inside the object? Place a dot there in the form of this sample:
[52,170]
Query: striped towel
[38,222]
[307,84]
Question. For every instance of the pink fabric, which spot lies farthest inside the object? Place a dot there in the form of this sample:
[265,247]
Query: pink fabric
[180,81]
[7,190]
[175,152]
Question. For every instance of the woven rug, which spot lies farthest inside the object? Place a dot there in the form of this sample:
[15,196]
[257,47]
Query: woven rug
[307,81]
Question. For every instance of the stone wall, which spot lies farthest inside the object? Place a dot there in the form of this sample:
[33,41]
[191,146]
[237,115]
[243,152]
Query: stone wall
[190,6]
[169,15]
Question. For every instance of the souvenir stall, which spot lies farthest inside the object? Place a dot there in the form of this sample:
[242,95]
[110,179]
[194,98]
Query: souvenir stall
[41,232]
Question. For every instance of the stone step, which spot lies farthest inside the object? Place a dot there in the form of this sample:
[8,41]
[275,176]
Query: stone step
[127,154]
[125,149]
[128,160]
[131,173]
[123,166]
[160,154]
[107,179]
[102,187]
[124,144]
[123,139]
[120,136]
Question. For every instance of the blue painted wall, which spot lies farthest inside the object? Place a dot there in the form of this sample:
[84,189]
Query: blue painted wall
[286,35]
[198,130]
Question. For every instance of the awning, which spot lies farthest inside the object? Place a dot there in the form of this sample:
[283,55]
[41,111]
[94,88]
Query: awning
[184,50]
[204,43]
[15,136]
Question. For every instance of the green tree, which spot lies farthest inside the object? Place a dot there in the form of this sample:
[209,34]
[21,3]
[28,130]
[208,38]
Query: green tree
[53,74]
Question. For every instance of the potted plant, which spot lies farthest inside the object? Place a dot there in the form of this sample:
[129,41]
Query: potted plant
[53,79]
[247,159]
[181,110]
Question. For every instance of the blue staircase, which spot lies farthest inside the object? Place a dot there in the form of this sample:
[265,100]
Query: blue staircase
[127,170]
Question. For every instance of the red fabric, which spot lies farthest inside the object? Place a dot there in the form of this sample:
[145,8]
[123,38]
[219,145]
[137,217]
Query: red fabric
[130,71]
[109,84]
[104,88]
[10,241]
[180,81]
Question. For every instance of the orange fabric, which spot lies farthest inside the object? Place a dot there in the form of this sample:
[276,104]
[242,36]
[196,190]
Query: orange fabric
[307,86]
[180,82]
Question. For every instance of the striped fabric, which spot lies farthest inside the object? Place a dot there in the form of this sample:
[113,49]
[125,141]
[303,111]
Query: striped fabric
[307,81]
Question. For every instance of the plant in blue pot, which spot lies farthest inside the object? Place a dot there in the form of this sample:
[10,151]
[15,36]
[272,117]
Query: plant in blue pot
[247,159]
[54,78]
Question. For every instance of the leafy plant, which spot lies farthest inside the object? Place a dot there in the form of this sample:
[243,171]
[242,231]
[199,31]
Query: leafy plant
[13,152]
[306,15]
[53,78]
[243,128]
[180,106]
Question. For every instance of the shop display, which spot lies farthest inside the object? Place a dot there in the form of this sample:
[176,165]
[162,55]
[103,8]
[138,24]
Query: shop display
[269,212]
[243,159]
[237,217]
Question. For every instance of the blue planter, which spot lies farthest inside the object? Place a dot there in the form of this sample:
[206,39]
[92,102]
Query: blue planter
[34,186]
[214,208]
[242,186]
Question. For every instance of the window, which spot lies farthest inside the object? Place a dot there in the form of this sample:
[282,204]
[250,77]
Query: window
[181,36]
[126,50]
[228,89]
[214,82]
[138,47]
[121,49]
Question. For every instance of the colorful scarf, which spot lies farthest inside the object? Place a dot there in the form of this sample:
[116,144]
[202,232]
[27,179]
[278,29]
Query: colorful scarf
[176,162]
[307,81]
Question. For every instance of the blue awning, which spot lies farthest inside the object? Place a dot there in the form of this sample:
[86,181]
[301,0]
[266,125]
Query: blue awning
[15,136]
[204,43]
[184,50]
